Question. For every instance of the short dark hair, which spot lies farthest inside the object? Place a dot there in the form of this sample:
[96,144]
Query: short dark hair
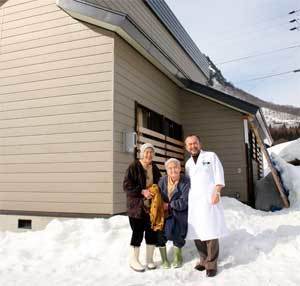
[192,135]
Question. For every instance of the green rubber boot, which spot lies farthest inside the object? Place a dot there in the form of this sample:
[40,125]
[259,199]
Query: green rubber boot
[177,261]
[164,259]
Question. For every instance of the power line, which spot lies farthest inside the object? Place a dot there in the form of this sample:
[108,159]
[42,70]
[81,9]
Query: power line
[259,23]
[233,37]
[268,76]
[245,34]
[258,55]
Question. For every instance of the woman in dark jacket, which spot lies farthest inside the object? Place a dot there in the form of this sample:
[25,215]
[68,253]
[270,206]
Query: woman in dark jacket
[174,189]
[139,177]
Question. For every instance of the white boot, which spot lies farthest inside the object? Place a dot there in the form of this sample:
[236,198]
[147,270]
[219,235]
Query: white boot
[134,262]
[149,256]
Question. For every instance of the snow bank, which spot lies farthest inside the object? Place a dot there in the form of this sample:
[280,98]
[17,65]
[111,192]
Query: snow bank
[261,249]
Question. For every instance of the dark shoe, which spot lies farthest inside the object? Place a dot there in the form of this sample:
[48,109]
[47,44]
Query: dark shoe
[211,273]
[199,267]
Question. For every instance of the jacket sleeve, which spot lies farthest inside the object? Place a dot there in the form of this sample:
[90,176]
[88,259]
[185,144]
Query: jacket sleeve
[156,174]
[181,204]
[131,183]
[218,171]
[162,186]
[187,169]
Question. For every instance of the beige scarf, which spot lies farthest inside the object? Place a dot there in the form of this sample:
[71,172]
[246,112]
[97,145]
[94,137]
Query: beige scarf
[148,174]
[171,187]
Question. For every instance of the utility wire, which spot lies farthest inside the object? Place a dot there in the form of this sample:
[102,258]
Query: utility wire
[257,55]
[268,76]
[251,35]
[236,35]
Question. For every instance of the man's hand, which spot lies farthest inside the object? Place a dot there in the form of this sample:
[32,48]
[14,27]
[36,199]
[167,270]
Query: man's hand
[146,193]
[215,198]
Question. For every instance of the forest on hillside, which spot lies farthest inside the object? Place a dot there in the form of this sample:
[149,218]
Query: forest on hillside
[284,134]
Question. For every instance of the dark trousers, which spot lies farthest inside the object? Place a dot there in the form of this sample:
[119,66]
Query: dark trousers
[139,227]
[162,240]
[209,253]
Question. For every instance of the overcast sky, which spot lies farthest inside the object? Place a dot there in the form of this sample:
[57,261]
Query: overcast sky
[230,29]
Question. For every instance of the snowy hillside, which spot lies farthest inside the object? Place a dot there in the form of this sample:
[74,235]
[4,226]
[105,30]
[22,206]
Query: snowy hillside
[261,249]
[276,115]
[277,119]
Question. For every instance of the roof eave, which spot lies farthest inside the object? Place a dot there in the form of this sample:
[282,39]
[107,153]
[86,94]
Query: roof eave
[265,133]
[232,102]
[124,26]
[221,97]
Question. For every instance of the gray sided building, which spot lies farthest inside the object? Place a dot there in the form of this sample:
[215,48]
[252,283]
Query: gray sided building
[77,76]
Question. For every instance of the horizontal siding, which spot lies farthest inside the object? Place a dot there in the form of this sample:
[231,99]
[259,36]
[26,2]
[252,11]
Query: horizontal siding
[145,18]
[62,207]
[69,118]
[138,80]
[72,88]
[57,138]
[61,167]
[221,131]
[57,177]
[18,69]
[56,197]
[56,187]
[56,107]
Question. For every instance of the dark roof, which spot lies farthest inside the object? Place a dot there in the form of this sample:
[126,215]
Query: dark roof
[222,97]
[233,103]
[166,16]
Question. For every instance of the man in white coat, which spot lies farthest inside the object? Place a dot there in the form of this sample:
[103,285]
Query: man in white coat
[206,222]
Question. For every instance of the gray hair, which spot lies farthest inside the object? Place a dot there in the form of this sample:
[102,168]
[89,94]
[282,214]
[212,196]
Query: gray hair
[172,160]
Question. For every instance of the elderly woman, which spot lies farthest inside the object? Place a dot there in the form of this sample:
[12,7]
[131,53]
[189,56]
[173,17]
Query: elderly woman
[174,189]
[139,177]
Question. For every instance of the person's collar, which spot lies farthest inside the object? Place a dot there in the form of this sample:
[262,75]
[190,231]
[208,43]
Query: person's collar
[173,182]
[145,166]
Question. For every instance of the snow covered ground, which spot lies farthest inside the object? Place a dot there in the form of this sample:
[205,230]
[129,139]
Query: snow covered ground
[262,249]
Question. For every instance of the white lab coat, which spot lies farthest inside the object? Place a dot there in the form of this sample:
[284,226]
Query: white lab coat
[205,220]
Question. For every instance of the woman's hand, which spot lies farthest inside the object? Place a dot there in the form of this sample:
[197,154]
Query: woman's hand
[166,206]
[146,193]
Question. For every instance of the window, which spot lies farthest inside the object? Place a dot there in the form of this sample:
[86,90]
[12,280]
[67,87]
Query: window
[157,122]
[165,134]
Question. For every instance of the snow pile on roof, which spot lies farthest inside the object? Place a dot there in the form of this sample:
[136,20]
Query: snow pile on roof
[288,151]
[290,176]
[291,151]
